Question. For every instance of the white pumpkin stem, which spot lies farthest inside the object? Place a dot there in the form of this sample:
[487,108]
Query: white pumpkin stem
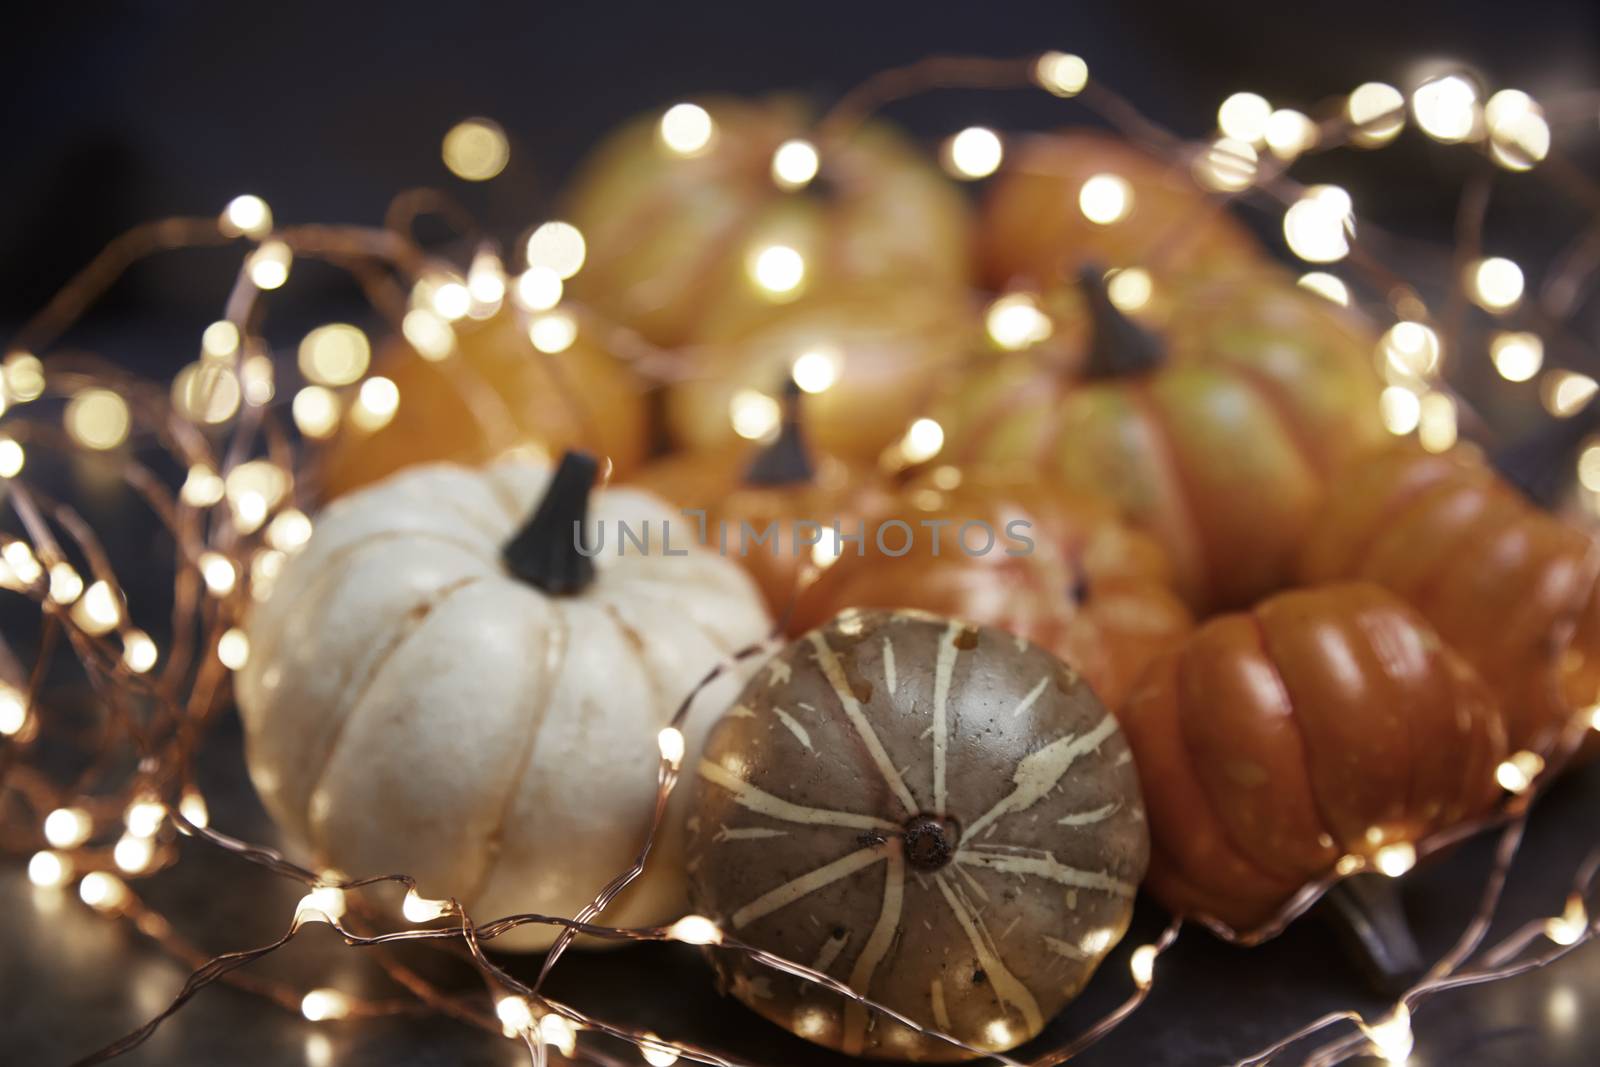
[787,460]
[1118,346]
[544,553]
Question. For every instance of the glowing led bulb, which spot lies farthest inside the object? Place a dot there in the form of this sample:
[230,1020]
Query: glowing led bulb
[922,441]
[1143,965]
[321,1004]
[486,284]
[686,130]
[1105,199]
[1227,166]
[1061,73]
[289,531]
[102,891]
[670,741]
[335,354]
[316,411]
[1516,774]
[1446,108]
[206,392]
[1318,225]
[220,339]
[233,649]
[695,930]
[1392,1037]
[99,610]
[133,854]
[420,909]
[1130,289]
[1014,322]
[655,1052]
[1395,859]
[13,711]
[816,370]
[1566,392]
[1411,348]
[557,1030]
[475,149]
[246,216]
[973,153]
[557,246]
[794,164]
[1517,356]
[97,419]
[553,333]
[1327,286]
[1436,421]
[49,870]
[754,415]
[1377,111]
[1570,926]
[1519,136]
[1495,283]
[67,827]
[144,816]
[778,270]
[65,584]
[192,806]
[539,289]
[452,300]
[1290,133]
[1244,117]
[268,266]
[24,376]
[324,903]
[1400,409]
[429,333]
[12,458]
[515,1015]
[376,402]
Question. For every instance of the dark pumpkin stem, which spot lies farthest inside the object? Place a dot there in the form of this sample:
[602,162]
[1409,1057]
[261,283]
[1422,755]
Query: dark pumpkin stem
[1367,911]
[1540,464]
[544,553]
[787,460]
[1118,346]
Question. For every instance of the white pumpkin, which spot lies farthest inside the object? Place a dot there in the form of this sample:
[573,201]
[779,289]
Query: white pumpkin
[412,706]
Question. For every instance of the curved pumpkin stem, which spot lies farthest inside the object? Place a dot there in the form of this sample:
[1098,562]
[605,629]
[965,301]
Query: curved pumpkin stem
[544,553]
[1540,464]
[1118,346]
[787,460]
[1372,923]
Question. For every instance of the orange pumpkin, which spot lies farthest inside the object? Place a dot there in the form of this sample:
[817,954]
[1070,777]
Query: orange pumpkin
[1218,436]
[494,394]
[678,208]
[745,489]
[1325,723]
[1059,570]
[1084,198]
[873,359]
[1514,589]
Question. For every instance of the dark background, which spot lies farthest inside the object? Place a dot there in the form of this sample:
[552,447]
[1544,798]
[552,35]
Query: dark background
[119,112]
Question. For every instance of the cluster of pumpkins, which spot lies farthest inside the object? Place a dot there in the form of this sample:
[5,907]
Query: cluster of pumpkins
[1315,642]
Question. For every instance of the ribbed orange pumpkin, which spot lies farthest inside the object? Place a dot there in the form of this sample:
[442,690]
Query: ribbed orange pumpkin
[1514,589]
[1326,722]
[675,234]
[1040,222]
[496,393]
[1218,437]
[1071,578]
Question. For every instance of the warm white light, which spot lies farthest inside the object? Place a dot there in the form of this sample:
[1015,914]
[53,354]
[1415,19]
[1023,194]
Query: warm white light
[794,164]
[753,415]
[695,930]
[65,584]
[246,216]
[335,354]
[1565,392]
[557,1030]
[233,649]
[102,891]
[49,870]
[922,441]
[816,370]
[23,377]
[486,284]
[1411,348]
[268,266]
[13,711]
[12,458]
[826,551]
[1143,965]
[97,419]
[687,129]
[376,403]
[1377,111]
[1105,199]
[1318,225]
[144,817]
[1130,289]
[1400,409]
[67,827]
[1061,73]
[515,1015]
[1519,136]
[452,300]
[220,339]
[557,246]
[1569,927]
[192,806]
[429,333]
[656,1053]
[1446,108]
[320,1004]
[973,153]
[539,289]
[1227,166]
[316,411]
[1326,285]
[99,610]
[1495,283]
[1517,773]
[420,909]
[1436,422]
[553,333]
[290,530]
[1244,117]
[207,392]
[133,854]
[1392,1038]
[325,903]
[778,269]
[1395,859]
[670,741]
[1517,356]
[1014,322]
[1290,133]
[475,150]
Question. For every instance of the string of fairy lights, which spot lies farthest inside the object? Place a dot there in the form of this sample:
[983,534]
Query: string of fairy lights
[241,511]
